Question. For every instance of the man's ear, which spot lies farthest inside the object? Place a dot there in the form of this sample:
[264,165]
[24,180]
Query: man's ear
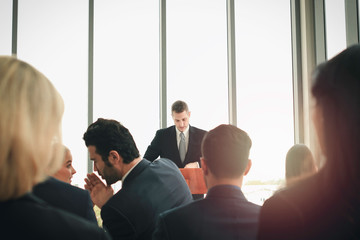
[248,166]
[189,113]
[114,157]
[204,167]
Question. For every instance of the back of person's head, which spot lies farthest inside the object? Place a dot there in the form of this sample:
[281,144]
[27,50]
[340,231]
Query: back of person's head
[30,126]
[299,162]
[107,135]
[336,89]
[226,150]
[179,107]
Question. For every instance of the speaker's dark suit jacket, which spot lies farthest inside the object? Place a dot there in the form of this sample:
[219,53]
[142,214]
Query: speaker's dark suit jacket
[67,197]
[223,214]
[29,217]
[165,145]
[149,189]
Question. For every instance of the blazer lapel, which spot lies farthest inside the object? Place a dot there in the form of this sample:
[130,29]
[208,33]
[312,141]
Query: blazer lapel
[174,147]
[136,171]
[189,148]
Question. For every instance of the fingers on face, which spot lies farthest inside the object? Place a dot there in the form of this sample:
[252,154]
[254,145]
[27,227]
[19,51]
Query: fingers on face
[92,180]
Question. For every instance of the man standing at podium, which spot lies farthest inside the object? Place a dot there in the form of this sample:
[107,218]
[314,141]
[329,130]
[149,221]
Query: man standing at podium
[181,143]
[224,213]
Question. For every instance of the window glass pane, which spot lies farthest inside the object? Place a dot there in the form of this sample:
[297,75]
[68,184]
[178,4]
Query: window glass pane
[196,54]
[58,47]
[126,66]
[264,89]
[5,26]
[335,27]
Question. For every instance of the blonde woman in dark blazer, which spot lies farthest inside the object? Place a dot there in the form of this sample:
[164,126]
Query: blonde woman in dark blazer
[30,148]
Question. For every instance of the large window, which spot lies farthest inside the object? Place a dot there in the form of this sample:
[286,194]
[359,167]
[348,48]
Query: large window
[264,86]
[5,26]
[197,63]
[53,36]
[335,27]
[57,46]
[126,66]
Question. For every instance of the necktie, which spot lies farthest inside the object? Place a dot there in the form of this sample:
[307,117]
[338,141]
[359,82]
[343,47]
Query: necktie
[182,148]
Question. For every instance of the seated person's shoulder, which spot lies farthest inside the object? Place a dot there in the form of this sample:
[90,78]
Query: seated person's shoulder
[180,211]
[55,185]
[165,130]
[164,163]
[303,194]
[199,130]
[45,222]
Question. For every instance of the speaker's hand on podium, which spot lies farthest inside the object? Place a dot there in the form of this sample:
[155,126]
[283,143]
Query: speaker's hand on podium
[192,165]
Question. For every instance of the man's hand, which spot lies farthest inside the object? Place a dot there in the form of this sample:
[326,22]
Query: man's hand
[99,192]
[192,165]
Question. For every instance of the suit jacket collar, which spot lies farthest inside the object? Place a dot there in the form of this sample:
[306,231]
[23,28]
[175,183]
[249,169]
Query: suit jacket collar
[225,191]
[186,132]
[136,171]
[191,132]
[54,180]
[191,129]
[173,136]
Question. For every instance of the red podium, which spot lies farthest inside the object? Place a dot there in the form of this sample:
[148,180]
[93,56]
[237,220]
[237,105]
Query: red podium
[194,178]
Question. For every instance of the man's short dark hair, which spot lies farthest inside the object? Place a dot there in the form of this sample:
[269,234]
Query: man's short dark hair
[179,106]
[107,135]
[226,151]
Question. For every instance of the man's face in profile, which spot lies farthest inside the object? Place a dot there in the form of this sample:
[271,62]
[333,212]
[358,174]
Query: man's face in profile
[108,173]
[181,120]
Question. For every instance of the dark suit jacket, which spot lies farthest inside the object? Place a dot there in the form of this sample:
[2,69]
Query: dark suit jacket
[165,145]
[149,189]
[312,209]
[223,214]
[67,197]
[31,218]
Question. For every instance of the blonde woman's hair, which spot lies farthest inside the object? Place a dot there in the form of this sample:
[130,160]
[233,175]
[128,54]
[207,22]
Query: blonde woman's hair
[31,110]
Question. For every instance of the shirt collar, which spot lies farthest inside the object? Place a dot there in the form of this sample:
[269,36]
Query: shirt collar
[186,132]
[126,174]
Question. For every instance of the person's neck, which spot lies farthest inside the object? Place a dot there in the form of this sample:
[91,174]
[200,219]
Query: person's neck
[213,181]
[130,165]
